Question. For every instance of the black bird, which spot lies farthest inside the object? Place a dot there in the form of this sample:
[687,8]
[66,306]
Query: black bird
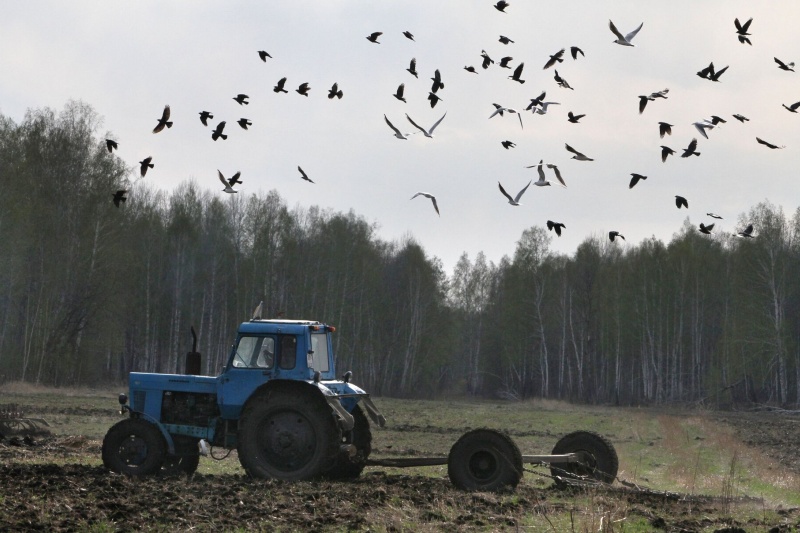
[516,76]
[681,201]
[111,145]
[486,59]
[303,89]
[163,121]
[279,86]
[769,145]
[561,81]
[704,73]
[614,234]
[505,61]
[408,35]
[204,116]
[716,120]
[741,118]
[263,55]
[535,102]
[555,226]
[335,92]
[714,215]
[574,118]
[555,58]
[118,197]
[793,107]
[664,129]
[399,93]
[635,179]
[437,81]
[433,99]
[784,66]
[574,51]
[643,102]
[741,30]
[243,122]
[303,174]
[747,232]
[501,6]
[242,99]
[217,133]
[412,68]
[145,164]
[233,180]
[706,229]
[471,69]
[505,40]
[690,150]
[710,73]
[373,37]
[665,152]
[508,144]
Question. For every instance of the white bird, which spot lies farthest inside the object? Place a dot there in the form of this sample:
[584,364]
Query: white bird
[558,173]
[403,136]
[428,195]
[228,188]
[542,109]
[428,133]
[626,40]
[579,156]
[702,126]
[499,110]
[515,200]
[542,182]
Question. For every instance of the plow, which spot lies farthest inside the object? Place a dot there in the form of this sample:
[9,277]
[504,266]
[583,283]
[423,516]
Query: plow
[14,422]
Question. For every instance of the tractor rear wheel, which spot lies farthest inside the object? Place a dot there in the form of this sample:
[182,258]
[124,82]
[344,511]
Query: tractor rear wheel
[134,447]
[597,458]
[287,435]
[360,436]
[484,460]
[186,458]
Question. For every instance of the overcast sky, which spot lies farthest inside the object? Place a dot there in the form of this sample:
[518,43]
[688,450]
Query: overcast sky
[129,59]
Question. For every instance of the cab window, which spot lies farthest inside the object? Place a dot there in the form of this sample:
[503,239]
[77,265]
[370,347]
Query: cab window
[288,352]
[254,352]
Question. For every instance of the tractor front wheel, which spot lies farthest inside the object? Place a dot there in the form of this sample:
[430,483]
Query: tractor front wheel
[597,459]
[186,458]
[287,435]
[484,460]
[134,447]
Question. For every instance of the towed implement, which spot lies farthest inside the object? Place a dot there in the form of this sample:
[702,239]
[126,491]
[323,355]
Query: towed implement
[279,404]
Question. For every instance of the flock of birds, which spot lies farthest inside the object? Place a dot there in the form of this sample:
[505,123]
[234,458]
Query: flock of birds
[537,106]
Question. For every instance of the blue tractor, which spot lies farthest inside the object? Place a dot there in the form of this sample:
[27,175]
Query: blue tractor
[277,402]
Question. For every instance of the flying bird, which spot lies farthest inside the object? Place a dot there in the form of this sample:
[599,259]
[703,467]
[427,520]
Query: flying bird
[111,145]
[403,136]
[279,86]
[242,99]
[227,183]
[541,182]
[515,200]
[499,110]
[204,116]
[574,51]
[557,173]
[304,175]
[710,73]
[508,144]
[437,81]
[635,179]
[144,164]
[651,97]
[624,40]
[486,59]
[243,122]
[516,76]
[536,101]
[666,151]
[118,197]
[614,234]
[691,149]
[263,55]
[373,37]
[555,226]
[399,93]
[409,35]
[784,66]
[217,133]
[163,121]
[561,81]
[432,198]
[303,89]
[793,107]
[579,156]
[664,129]
[433,98]
[702,126]
[571,117]
[747,232]
[505,40]
[741,118]
[470,69]
[741,31]
[680,201]
[706,229]
[714,215]
[427,133]
[555,58]
[501,5]
[412,67]
[505,61]
[769,145]
[335,92]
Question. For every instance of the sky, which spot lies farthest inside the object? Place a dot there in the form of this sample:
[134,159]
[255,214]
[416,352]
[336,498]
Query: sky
[130,59]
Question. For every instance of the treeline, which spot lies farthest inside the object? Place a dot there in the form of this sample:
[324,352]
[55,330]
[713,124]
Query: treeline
[89,291]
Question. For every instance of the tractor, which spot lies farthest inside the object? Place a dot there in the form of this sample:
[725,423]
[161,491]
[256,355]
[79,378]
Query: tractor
[279,404]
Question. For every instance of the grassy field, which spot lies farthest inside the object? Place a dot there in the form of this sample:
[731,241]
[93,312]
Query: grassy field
[691,453]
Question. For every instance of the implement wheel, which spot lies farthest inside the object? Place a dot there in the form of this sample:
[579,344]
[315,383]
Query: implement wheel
[288,435]
[484,460]
[597,458]
[360,436]
[134,447]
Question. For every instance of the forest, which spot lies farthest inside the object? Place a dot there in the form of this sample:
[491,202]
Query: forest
[90,291]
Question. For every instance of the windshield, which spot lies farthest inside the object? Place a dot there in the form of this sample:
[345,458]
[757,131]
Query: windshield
[319,345]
